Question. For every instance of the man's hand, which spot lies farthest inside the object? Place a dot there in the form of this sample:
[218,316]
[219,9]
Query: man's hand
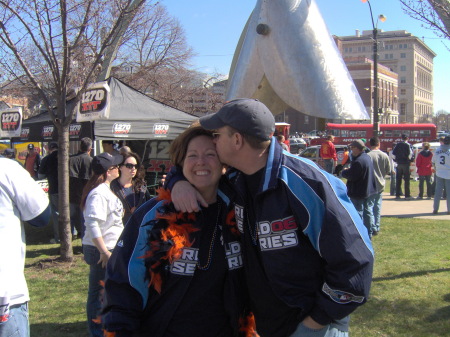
[312,324]
[186,198]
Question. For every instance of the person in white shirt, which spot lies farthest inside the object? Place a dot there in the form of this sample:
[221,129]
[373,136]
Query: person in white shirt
[21,199]
[441,163]
[103,212]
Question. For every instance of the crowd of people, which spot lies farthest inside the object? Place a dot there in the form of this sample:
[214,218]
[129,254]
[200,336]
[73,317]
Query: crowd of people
[211,255]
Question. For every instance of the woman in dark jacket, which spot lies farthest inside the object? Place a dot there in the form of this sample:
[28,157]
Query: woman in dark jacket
[180,274]
[130,187]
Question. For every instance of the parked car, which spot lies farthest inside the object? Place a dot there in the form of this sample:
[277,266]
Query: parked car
[312,153]
[297,145]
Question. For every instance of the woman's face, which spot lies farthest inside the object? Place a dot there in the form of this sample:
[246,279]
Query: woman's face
[128,168]
[201,166]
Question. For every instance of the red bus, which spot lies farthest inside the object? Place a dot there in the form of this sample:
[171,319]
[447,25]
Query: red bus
[390,134]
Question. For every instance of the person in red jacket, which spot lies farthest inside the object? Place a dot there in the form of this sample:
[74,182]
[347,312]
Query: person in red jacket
[328,154]
[423,164]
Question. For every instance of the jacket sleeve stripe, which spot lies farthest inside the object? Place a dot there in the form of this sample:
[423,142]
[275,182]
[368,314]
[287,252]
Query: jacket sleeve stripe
[136,267]
[312,202]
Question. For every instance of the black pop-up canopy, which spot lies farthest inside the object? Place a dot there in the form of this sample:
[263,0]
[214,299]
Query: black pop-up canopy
[132,116]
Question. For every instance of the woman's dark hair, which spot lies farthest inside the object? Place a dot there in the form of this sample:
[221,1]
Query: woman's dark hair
[178,148]
[138,180]
[95,181]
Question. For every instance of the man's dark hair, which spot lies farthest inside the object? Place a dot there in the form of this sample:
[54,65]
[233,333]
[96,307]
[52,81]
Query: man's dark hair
[85,144]
[374,141]
[404,137]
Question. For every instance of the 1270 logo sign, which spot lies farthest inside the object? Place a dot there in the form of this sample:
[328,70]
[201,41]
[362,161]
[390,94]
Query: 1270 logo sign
[93,100]
[10,121]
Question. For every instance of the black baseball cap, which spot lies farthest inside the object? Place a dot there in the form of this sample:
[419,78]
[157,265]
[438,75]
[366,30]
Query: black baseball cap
[358,143]
[8,152]
[248,116]
[53,145]
[102,162]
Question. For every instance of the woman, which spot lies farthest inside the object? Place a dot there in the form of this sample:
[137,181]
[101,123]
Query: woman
[179,274]
[130,187]
[102,212]
[424,169]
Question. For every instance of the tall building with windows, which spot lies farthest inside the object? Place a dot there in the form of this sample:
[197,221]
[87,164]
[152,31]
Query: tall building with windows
[406,55]
[361,70]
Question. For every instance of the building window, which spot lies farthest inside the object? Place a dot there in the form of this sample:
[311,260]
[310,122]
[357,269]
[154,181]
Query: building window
[402,108]
[402,79]
[402,91]
[402,55]
[306,119]
[402,68]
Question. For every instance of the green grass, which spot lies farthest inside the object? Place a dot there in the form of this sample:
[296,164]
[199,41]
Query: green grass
[410,294]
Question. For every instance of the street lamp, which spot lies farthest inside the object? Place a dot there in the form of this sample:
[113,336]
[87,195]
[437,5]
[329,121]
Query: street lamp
[382,18]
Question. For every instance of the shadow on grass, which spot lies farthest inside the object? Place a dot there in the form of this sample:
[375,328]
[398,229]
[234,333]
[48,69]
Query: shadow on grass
[78,329]
[413,215]
[410,274]
[407,314]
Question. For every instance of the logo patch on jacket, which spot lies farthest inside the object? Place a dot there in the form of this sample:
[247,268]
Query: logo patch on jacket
[277,234]
[233,255]
[340,296]
[187,263]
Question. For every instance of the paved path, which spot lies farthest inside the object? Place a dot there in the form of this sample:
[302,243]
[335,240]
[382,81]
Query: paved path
[421,209]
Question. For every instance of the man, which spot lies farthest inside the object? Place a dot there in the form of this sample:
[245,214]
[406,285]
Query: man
[49,170]
[281,139]
[433,185]
[79,174]
[403,156]
[328,154]
[382,168]
[291,214]
[108,146]
[441,163]
[32,161]
[21,199]
[361,183]
[11,154]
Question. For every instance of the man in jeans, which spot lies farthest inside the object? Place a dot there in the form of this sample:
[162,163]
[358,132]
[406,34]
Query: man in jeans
[21,199]
[361,183]
[403,155]
[382,168]
[328,154]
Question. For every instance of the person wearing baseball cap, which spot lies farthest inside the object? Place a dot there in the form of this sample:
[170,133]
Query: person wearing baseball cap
[361,183]
[9,153]
[102,211]
[32,161]
[287,209]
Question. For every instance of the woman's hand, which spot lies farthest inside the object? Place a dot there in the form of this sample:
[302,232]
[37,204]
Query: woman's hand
[104,257]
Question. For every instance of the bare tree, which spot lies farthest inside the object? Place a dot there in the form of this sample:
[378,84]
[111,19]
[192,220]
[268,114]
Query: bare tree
[155,40]
[435,14]
[58,45]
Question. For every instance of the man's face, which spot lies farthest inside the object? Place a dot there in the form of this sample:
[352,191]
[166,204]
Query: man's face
[355,151]
[224,145]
